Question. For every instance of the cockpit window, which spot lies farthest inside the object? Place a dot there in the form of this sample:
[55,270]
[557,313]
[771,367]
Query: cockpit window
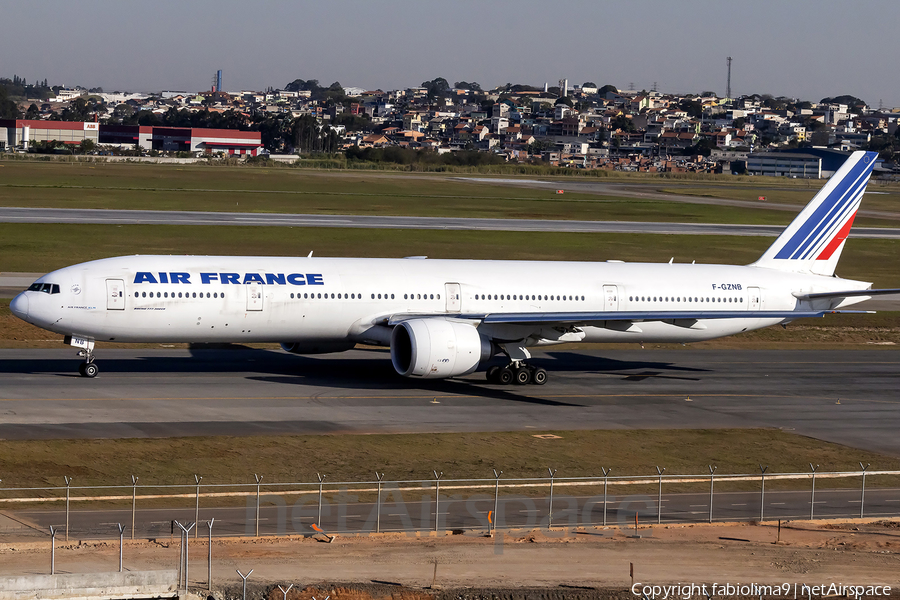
[47,288]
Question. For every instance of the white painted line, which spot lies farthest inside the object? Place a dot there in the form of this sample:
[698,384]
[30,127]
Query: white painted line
[742,504]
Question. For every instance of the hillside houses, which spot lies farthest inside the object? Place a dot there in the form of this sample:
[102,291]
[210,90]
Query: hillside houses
[624,130]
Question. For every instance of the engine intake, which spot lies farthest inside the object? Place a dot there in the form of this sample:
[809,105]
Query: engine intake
[437,348]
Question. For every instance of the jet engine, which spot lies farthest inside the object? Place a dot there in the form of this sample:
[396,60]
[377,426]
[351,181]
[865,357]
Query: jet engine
[436,348]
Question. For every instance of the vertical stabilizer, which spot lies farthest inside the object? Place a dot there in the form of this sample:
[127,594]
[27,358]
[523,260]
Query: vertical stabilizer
[813,242]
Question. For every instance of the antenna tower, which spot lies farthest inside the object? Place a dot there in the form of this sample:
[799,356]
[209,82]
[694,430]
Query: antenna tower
[728,85]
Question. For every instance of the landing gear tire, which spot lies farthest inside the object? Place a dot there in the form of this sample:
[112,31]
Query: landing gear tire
[89,370]
[539,377]
[505,376]
[492,374]
[523,376]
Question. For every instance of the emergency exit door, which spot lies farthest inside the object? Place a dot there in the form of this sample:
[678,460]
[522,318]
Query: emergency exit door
[454,297]
[115,294]
[610,298]
[254,296]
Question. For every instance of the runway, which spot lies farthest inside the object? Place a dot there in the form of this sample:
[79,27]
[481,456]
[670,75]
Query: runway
[848,397]
[154,217]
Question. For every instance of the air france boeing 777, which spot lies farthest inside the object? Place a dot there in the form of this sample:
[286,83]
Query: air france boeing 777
[444,318]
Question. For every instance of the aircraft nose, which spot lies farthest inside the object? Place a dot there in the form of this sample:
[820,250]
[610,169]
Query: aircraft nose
[19,306]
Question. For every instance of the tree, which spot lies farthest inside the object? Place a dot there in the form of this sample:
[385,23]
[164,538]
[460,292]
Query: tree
[564,100]
[608,88]
[465,85]
[437,87]
[33,112]
[8,108]
[297,85]
[589,84]
[86,146]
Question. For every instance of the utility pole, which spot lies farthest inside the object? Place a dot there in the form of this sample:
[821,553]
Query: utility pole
[728,85]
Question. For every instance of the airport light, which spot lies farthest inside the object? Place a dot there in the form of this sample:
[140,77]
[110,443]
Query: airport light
[862,496]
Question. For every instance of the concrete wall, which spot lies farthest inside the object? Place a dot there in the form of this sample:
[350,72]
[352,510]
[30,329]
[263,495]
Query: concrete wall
[90,586]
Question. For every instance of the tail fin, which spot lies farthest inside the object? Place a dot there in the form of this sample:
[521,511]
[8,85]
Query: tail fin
[813,242]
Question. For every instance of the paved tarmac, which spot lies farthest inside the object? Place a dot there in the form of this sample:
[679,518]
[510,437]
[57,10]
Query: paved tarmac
[842,396]
[156,217]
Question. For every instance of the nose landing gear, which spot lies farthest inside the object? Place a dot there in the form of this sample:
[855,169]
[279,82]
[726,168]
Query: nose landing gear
[88,368]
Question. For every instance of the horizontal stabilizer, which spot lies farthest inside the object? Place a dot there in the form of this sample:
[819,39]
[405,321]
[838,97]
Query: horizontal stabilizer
[847,294]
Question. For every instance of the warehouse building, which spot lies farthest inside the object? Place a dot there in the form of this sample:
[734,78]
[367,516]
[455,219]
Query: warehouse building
[782,164]
[19,133]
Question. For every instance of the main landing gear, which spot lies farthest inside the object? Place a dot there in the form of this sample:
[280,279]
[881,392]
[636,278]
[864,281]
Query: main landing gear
[517,372]
[88,368]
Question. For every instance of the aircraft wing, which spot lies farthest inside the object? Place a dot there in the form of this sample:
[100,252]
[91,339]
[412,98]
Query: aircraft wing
[590,318]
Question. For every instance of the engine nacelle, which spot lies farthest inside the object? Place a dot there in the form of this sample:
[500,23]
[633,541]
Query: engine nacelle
[315,347]
[435,348]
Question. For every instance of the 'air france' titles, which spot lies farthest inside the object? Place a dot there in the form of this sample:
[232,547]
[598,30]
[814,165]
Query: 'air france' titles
[235,278]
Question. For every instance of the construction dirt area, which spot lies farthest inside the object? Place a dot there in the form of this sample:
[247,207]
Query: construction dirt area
[585,563]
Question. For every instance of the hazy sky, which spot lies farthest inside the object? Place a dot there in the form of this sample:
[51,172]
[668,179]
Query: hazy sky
[802,48]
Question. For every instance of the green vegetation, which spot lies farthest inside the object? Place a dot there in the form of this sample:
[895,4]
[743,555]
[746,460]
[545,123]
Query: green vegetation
[56,184]
[412,456]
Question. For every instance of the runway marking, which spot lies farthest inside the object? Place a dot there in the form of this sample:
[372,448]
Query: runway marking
[432,396]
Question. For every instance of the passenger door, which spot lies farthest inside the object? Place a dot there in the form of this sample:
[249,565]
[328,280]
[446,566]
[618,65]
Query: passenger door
[254,296]
[610,298]
[454,297]
[115,294]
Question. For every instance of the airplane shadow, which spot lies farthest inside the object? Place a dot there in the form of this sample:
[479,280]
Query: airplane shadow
[365,369]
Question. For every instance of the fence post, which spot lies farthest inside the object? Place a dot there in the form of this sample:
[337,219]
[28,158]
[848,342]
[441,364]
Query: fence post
[186,536]
[285,591]
[197,478]
[209,556]
[762,491]
[134,481]
[862,496]
[378,503]
[605,482]
[319,513]
[659,496]
[550,507]
[121,543]
[68,484]
[712,476]
[52,550]
[258,479]
[812,498]
[244,577]
[493,522]
[437,497]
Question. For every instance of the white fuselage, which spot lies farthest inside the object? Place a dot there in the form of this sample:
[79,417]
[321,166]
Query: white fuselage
[347,300]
